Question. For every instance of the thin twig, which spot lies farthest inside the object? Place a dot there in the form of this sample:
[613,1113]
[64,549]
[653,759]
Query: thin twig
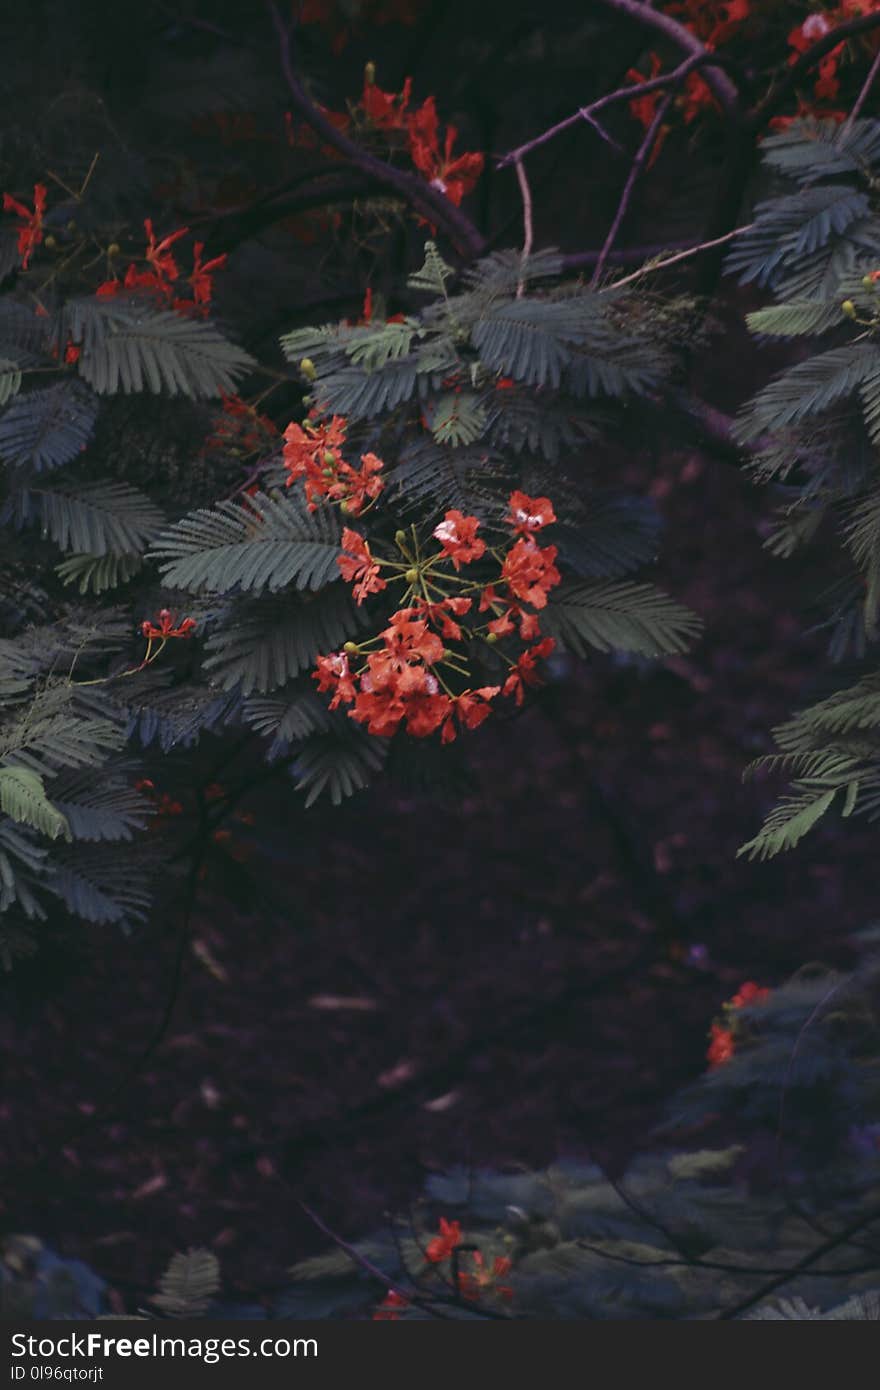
[528,229]
[587,113]
[862,97]
[808,1260]
[636,168]
[663,262]
[716,79]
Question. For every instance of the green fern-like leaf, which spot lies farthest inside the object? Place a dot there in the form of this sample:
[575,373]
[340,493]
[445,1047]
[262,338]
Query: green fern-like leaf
[189,1285]
[97,574]
[23,798]
[457,418]
[338,764]
[619,617]
[433,274]
[270,543]
[10,379]
[266,643]
[98,519]
[128,349]
[49,427]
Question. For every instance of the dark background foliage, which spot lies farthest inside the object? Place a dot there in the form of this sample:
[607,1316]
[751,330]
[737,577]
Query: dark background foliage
[492,974]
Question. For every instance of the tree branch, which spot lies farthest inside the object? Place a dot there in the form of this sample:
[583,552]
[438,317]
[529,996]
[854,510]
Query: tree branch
[434,206]
[759,116]
[716,79]
[636,168]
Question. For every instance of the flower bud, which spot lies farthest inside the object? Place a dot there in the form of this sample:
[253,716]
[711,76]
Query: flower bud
[411,576]
[113,249]
[329,459]
[307,367]
[867,282]
[369,74]
[351,648]
[400,538]
[848,308]
[492,637]
[345,508]
[50,243]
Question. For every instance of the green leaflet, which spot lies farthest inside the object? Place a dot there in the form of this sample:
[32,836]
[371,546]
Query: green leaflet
[23,798]
[622,616]
[268,543]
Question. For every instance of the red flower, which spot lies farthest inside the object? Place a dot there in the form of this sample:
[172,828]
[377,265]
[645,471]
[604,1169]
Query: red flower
[201,275]
[30,233]
[333,673]
[442,1246]
[407,641]
[644,109]
[165,627]
[471,708]
[524,672]
[721,1048]
[457,535]
[529,571]
[389,1309]
[158,254]
[749,993]
[386,110]
[472,1283]
[356,486]
[454,177]
[358,567]
[438,614]
[529,513]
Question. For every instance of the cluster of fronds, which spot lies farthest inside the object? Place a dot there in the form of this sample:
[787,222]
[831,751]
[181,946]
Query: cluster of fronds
[814,430]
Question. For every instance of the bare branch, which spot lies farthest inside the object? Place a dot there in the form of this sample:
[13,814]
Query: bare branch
[636,168]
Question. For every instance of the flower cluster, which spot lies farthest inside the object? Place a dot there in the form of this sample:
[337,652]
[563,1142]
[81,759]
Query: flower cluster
[416,673]
[722,1035]
[826,85]
[713,22]
[453,175]
[30,226]
[166,626]
[313,452]
[162,274]
[240,429]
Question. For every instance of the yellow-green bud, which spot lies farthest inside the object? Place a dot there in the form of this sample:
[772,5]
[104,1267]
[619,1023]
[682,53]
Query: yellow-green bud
[50,243]
[345,508]
[71,226]
[411,576]
[867,282]
[327,472]
[351,648]
[400,538]
[848,308]
[329,459]
[307,367]
[491,636]
[369,74]
[113,249]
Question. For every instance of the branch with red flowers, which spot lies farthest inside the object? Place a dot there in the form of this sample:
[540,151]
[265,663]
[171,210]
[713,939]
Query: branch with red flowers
[703,59]
[716,79]
[430,203]
[760,115]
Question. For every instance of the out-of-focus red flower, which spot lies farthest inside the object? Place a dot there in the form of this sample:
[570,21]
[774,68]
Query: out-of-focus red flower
[386,110]
[30,231]
[442,1245]
[481,1277]
[721,1047]
[748,994]
[390,1308]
